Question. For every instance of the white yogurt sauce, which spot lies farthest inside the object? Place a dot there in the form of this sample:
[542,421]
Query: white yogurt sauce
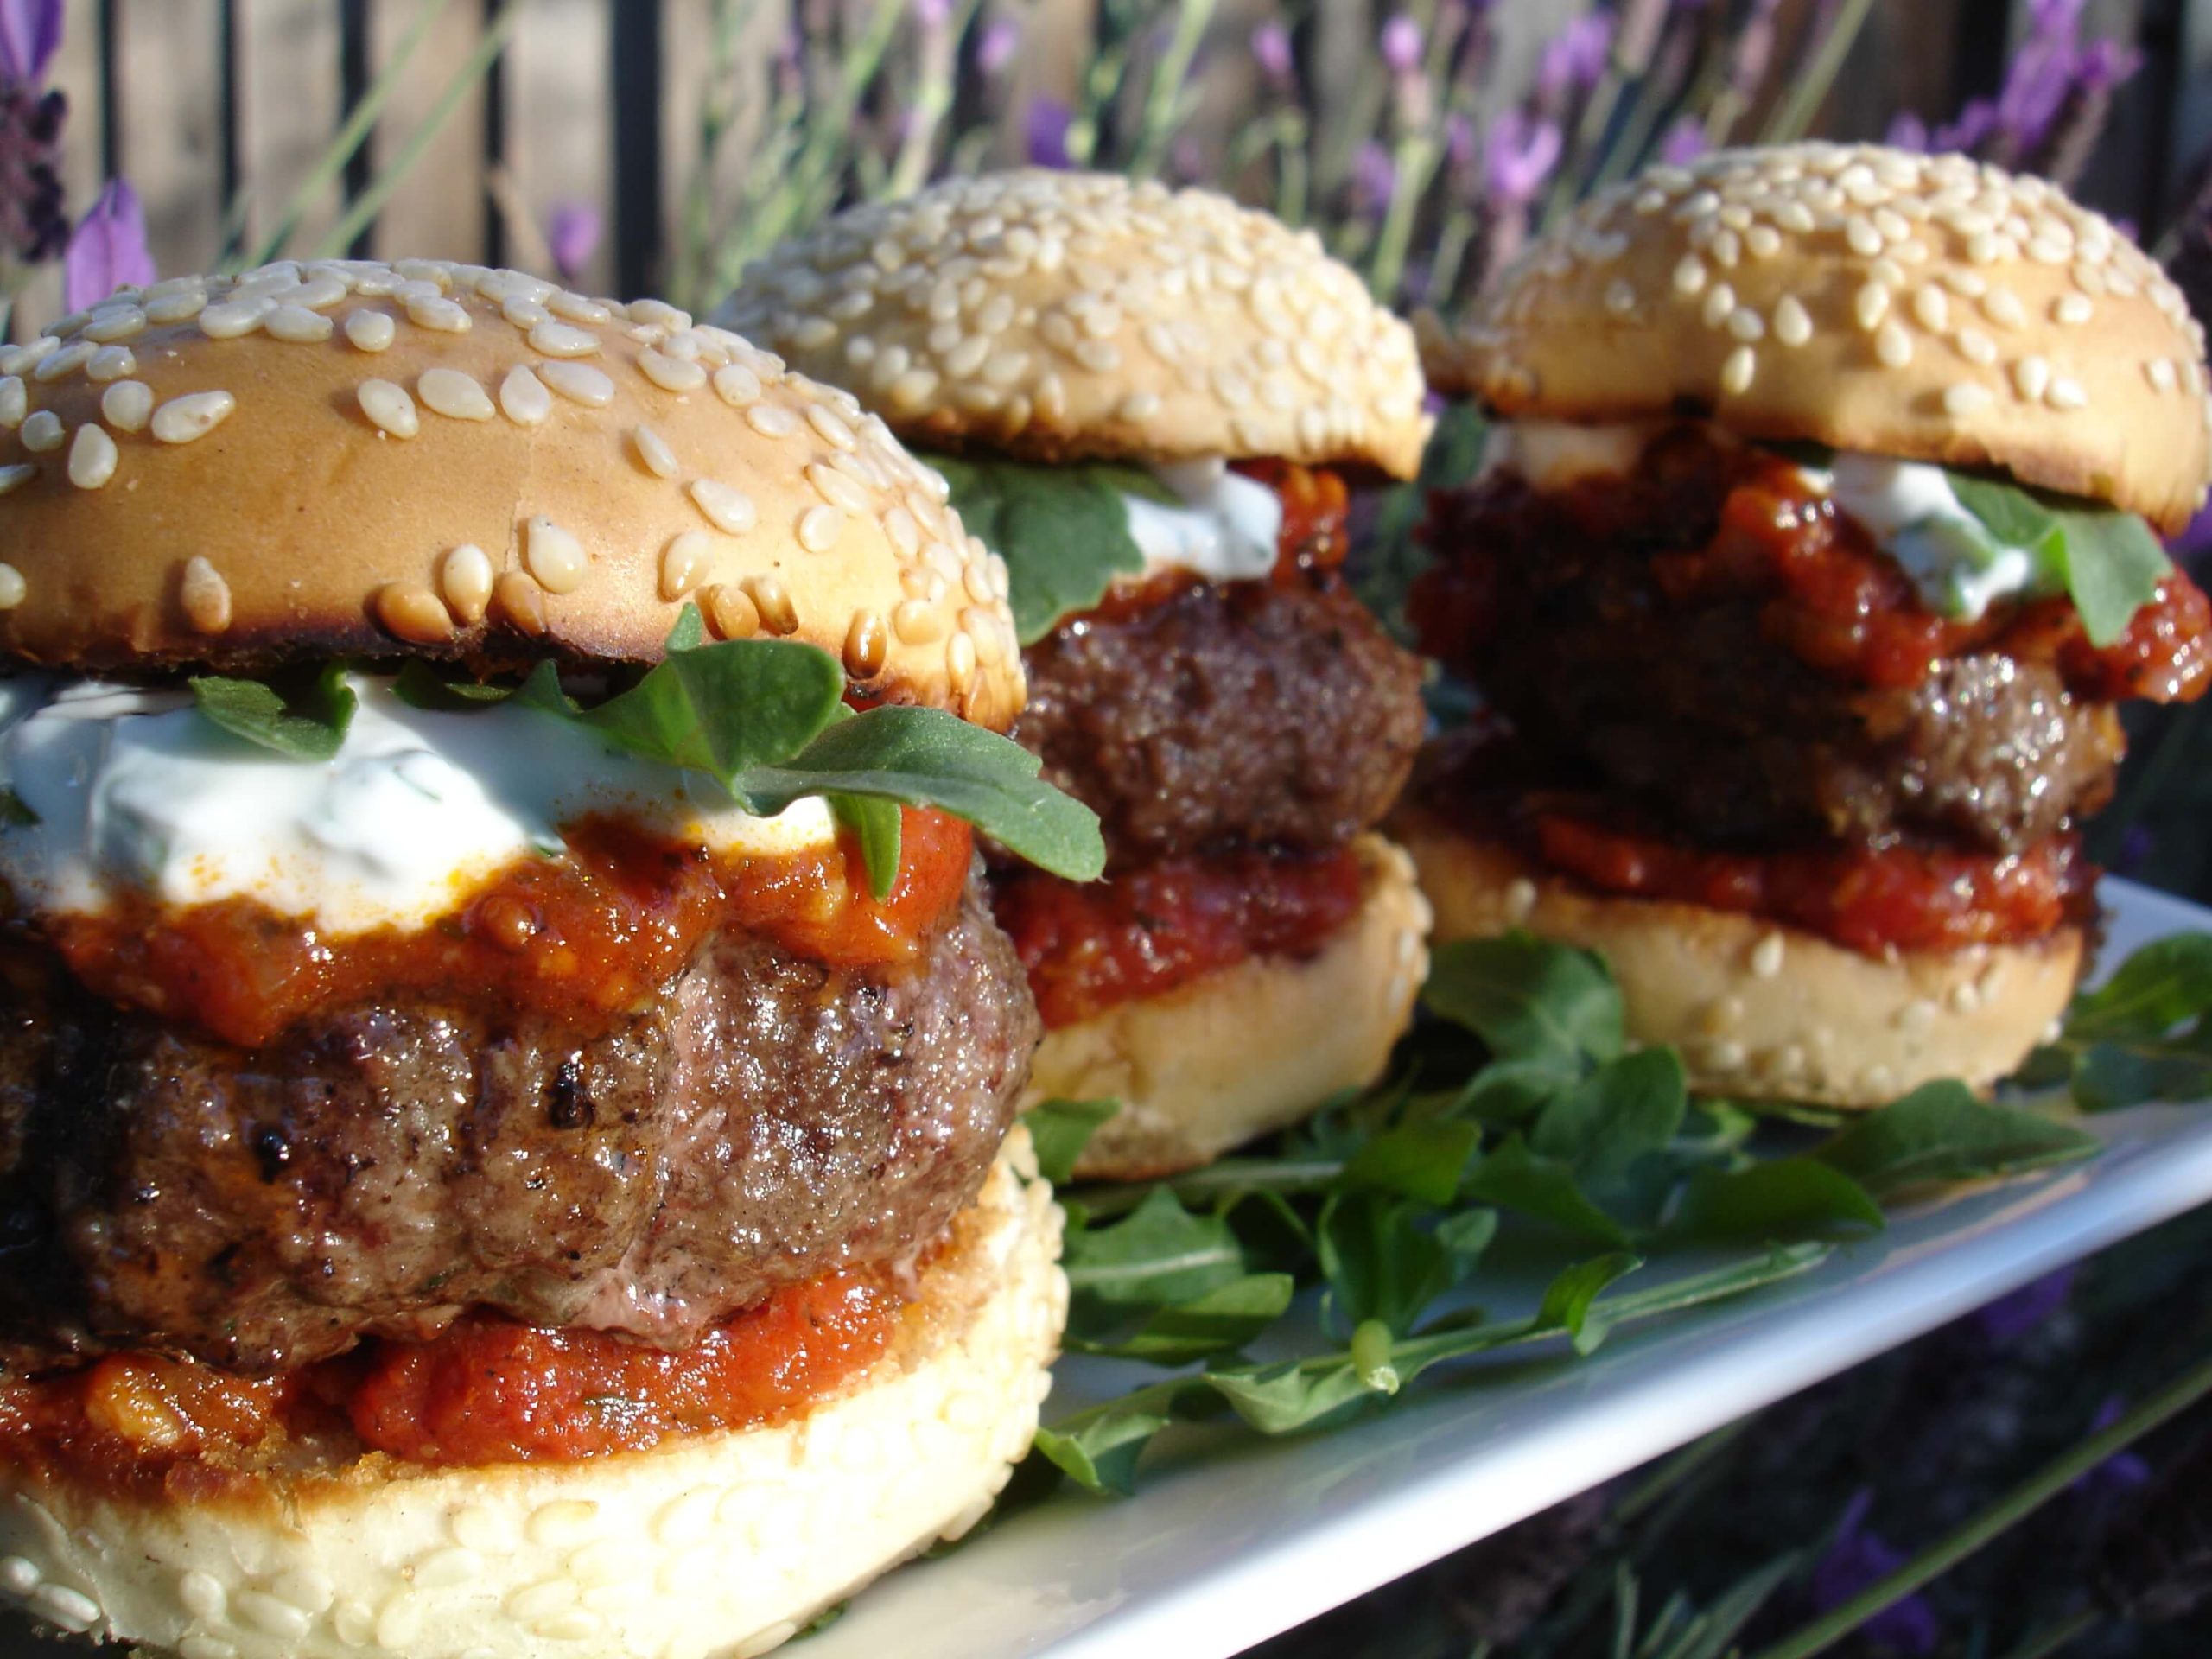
[133,791]
[1907,506]
[1226,529]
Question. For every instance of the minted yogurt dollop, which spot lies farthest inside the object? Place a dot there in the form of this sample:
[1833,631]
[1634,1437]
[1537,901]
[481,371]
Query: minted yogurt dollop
[1225,528]
[127,790]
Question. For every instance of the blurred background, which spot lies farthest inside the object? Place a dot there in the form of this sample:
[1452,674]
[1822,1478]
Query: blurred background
[657,145]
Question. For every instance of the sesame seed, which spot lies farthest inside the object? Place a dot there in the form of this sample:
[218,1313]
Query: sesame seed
[370,329]
[110,362]
[1690,275]
[960,661]
[2072,308]
[918,622]
[1864,238]
[319,292]
[560,340]
[1931,308]
[123,322]
[91,457]
[523,397]
[14,478]
[388,407]
[203,593]
[43,431]
[728,510]
[454,394]
[2031,377]
[1871,304]
[683,562]
[1766,956]
[1620,296]
[730,609]
[2002,306]
[524,314]
[1793,327]
[22,359]
[653,452]
[1737,371]
[1976,347]
[519,602]
[414,614]
[1966,398]
[1893,346]
[15,400]
[2065,393]
[830,427]
[466,576]
[128,405]
[772,419]
[577,309]
[233,318]
[736,385]
[298,325]
[579,383]
[13,588]
[2161,372]
[819,527]
[554,557]
[866,645]
[778,614]
[837,488]
[67,360]
[1746,324]
[671,373]
[443,316]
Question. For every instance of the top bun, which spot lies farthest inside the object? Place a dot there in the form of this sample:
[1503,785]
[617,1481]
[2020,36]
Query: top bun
[1930,307]
[1059,315]
[439,459]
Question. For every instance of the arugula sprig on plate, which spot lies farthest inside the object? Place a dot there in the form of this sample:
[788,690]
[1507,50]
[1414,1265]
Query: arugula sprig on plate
[764,718]
[1520,1109]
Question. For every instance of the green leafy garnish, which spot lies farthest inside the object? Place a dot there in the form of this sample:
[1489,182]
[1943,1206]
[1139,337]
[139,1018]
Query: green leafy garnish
[2106,559]
[1063,532]
[302,717]
[2145,1035]
[1060,1129]
[1941,1135]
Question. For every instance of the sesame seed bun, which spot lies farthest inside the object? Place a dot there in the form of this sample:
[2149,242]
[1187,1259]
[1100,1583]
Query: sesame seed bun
[1930,306]
[721,1544]
[1062,315]
[1760,1011]
[1208,1065]
[435,459]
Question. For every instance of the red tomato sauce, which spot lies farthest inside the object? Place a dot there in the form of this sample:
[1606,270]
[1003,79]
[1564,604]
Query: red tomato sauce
[1145,931]
[590,932]
[1727,526]
[1869,899]
[486,1390]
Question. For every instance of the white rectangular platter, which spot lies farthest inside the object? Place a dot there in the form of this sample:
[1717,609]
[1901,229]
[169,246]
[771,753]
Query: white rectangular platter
[1230,1541]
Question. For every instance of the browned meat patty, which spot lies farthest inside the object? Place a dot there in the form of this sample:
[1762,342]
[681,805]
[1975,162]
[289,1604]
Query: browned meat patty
[763,1119]
[1226,713]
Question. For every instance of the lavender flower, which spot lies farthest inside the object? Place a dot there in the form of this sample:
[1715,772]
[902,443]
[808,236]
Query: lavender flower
[2122,1472]
[1402,45]
[1573,60]
[33,222]
[2006,1320]
[1271,51]
[1000,40]
[1047,125]
[1374,178]
[1683,142]
[1460,147]
[107,250]
[1906,131]
[30,33]
[1859,1558]
[931,16]
[1519,157]
[572,235]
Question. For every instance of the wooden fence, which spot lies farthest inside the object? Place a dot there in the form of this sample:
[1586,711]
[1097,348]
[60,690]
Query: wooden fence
[217,110]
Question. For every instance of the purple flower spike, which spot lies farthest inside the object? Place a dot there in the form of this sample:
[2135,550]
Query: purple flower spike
[1859,1558]
[1459,145]
[2123,1471]
[572,235]
[2008,1318]
[1907,132]
[1519,157]
[1683,142]
[931,16]
[2104,65]
[1374,177]
[1000,40]
[1402,45]
[1271,51]
[1574,58]
[1976,121]
[1048,123]
[30,33]
[107,250]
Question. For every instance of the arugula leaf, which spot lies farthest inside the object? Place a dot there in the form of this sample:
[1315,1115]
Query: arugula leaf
[1380,1263]
[1296,1396]
[2144,1034]
[306,721]
[1784,1198]
[1570,1300]
[925,757]
[1553,1007]
[1513,1178]
[14,813]
[875,824]
[1627,1107]
[2107,560]
[1159,1255]
[419,685]
[1060,1129]
[1063,531]
[1940,1134]
[1419,1160]
[1101,1454]
[1221,1321]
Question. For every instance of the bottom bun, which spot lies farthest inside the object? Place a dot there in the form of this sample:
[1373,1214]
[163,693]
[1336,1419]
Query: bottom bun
[1209,1064]
[720,1544]
[1761,1011]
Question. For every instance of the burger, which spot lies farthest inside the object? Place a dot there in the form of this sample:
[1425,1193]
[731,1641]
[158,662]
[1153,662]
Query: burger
[505,1093]
[1141,398]
[1815,555]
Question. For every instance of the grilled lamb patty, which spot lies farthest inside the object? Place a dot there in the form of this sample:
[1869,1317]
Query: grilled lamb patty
[763,1119]
[1226,713]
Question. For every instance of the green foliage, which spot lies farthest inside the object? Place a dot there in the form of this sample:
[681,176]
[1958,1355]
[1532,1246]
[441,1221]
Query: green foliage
[2145,1035]
[300,717]
[2106,559]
